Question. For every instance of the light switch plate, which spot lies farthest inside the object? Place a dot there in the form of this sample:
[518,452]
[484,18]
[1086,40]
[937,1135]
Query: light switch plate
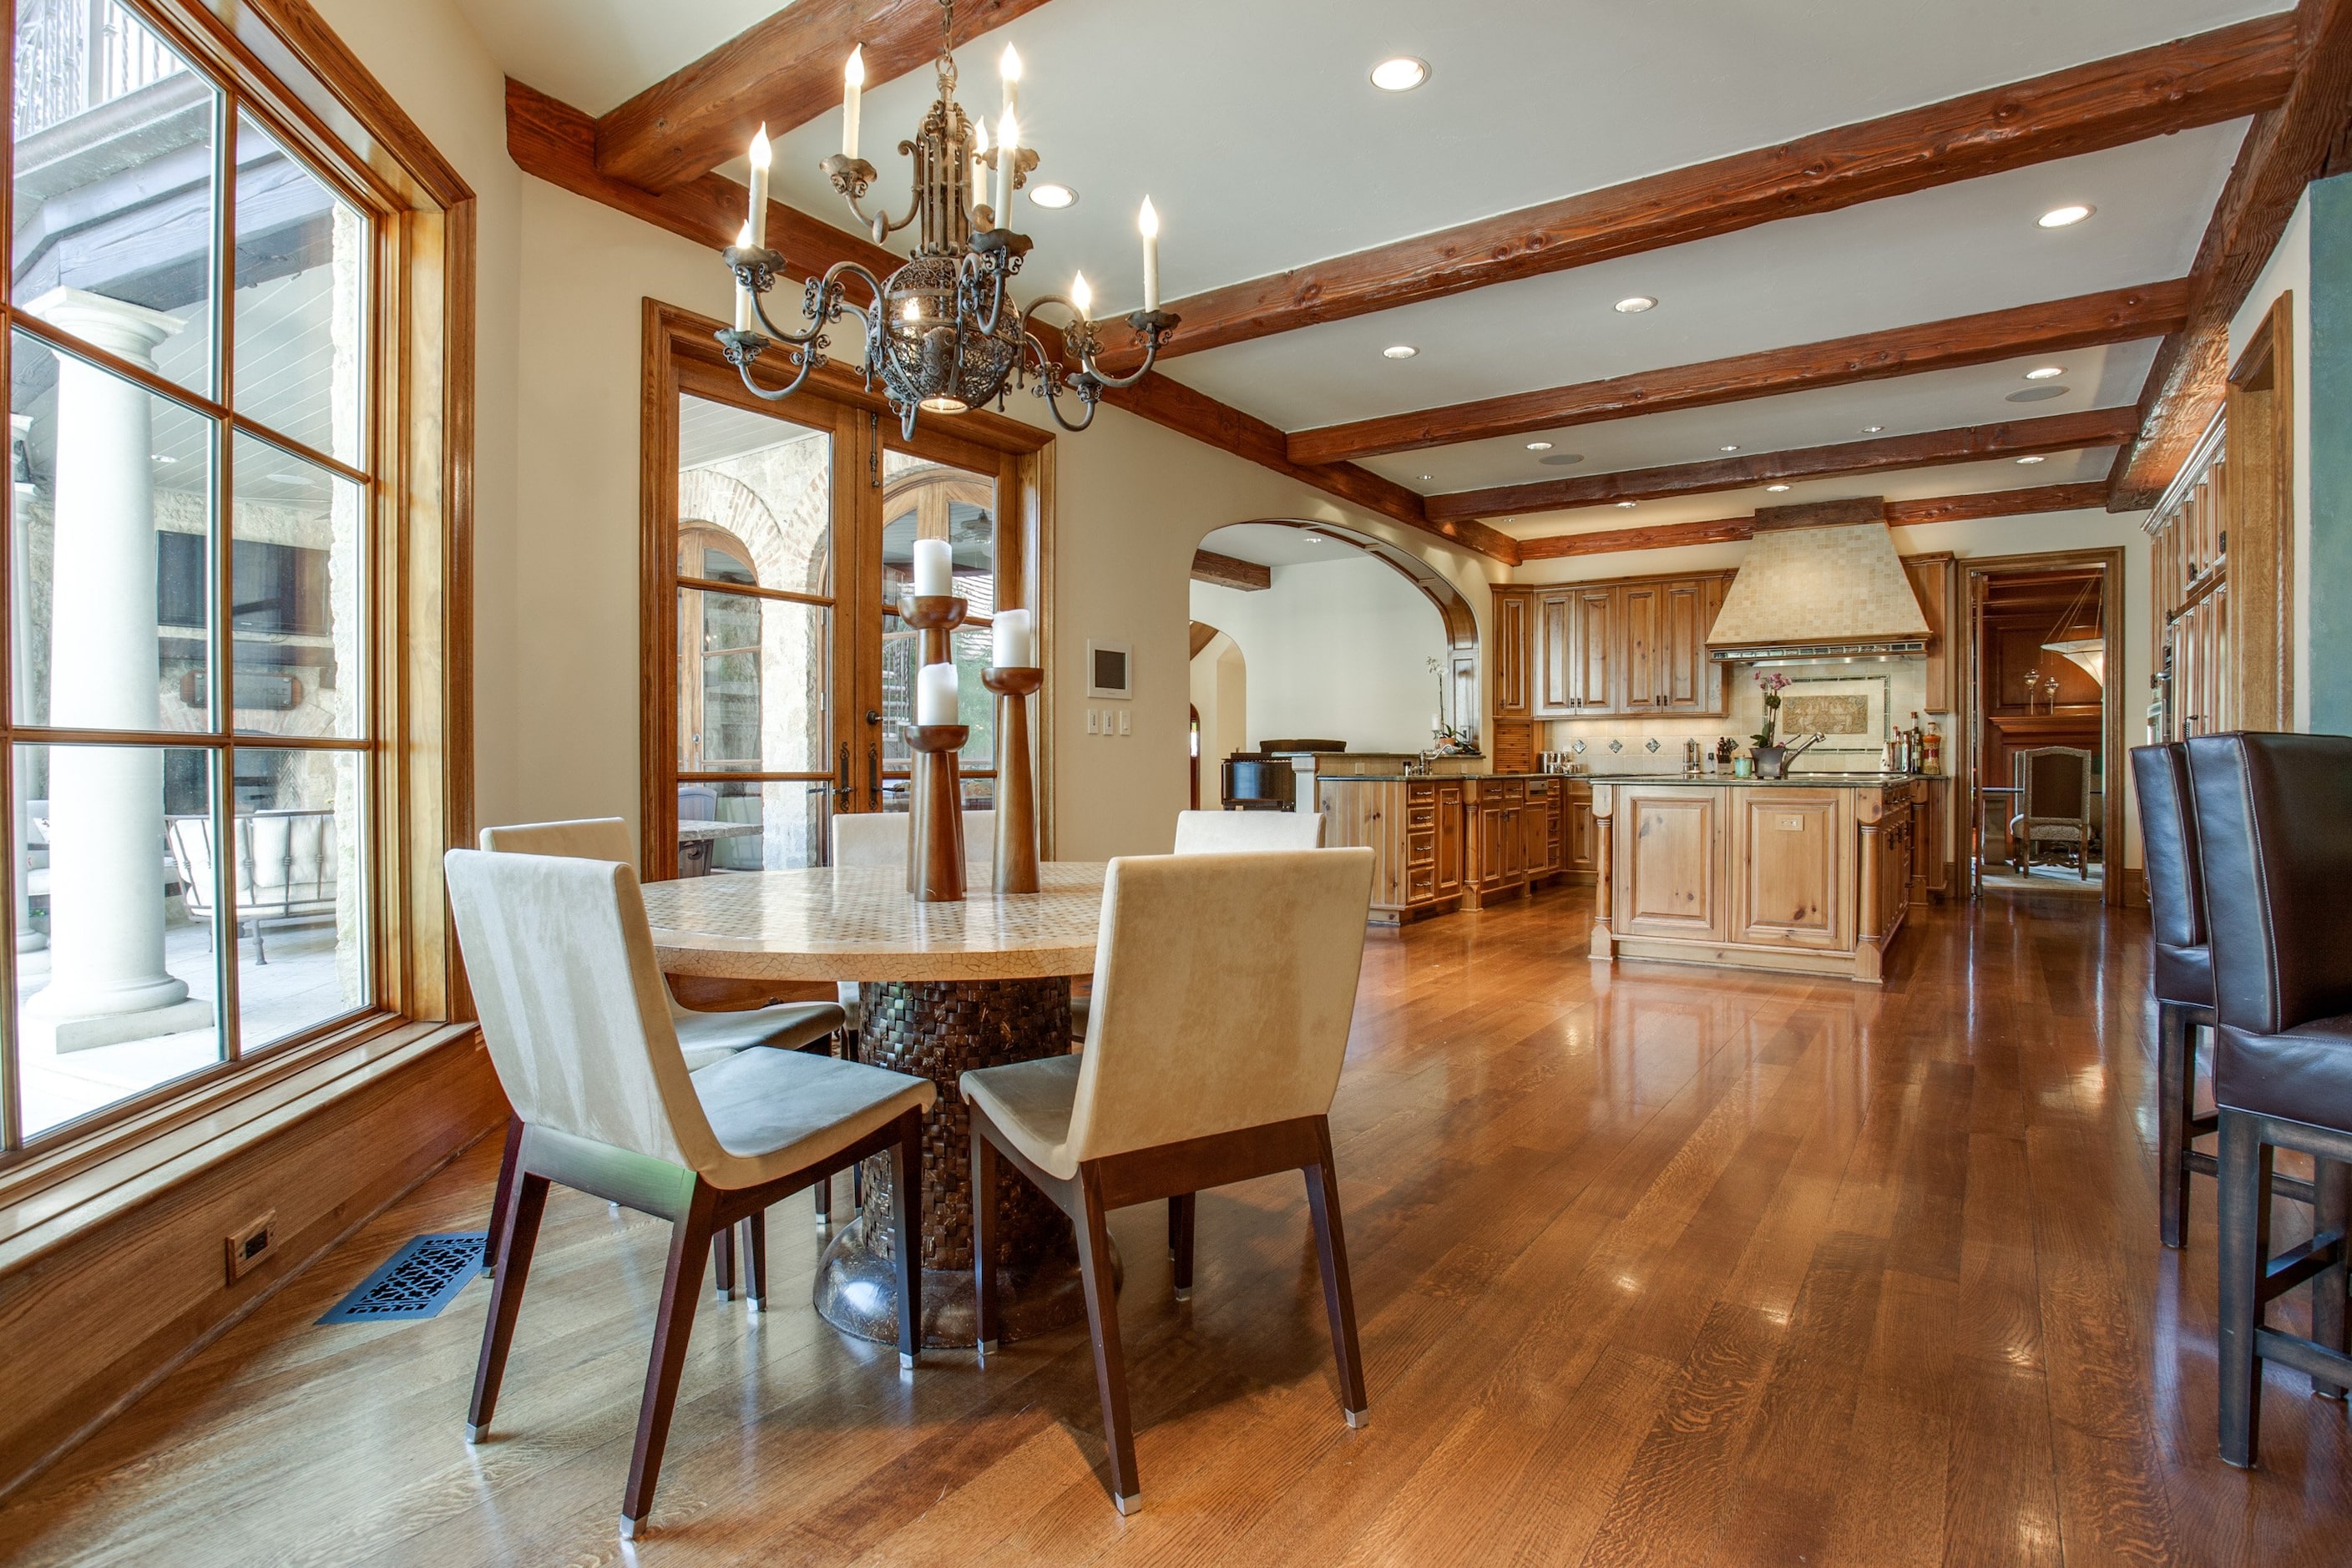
[1094,723]
[1122,721]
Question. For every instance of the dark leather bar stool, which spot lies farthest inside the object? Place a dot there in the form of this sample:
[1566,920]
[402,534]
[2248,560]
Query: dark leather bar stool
[2182,980]
[2274,830]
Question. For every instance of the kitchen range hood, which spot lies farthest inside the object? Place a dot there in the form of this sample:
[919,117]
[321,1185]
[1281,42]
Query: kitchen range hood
[1821,582]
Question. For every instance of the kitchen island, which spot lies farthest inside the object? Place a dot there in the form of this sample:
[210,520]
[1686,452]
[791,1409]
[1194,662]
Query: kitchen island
[1808,875]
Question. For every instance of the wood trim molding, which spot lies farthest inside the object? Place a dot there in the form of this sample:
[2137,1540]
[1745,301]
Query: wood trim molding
[2087,496]
[555,143]
[2086,321]
[783,72]
[1230,572]
[2308,137]
[2261,522]
[2243,68]
[2055,433]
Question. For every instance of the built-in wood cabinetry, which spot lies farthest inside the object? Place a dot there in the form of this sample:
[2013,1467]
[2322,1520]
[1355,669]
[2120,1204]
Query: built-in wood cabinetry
[1932,585]
[1444,844]
[1579,855]
[1586,650]
[1784,877]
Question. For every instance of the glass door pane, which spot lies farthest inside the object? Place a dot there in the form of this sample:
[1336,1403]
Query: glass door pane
[927,500]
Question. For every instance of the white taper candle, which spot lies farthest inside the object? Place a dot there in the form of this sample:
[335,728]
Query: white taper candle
[853,93]
[1147,224]
[1008,159]
[762,155]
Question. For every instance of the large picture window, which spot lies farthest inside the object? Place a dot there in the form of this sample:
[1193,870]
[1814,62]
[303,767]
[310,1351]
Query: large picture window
[192,700]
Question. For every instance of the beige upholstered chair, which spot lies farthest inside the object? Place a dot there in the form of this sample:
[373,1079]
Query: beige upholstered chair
[885,839]
[1243,832]
[1225,988]
[571,1004]
[706,1037]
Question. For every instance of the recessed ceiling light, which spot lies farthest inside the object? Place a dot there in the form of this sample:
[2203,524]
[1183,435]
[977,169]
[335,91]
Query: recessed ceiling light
[1399,351]
[1051,196]
[1871,429]
[2046,373]
[1428,477]
[2066,217]
[1401,74]
[2031,460]
[1776,489]
[1538,446]
[1636,305]
[1627,505]
[1734,448]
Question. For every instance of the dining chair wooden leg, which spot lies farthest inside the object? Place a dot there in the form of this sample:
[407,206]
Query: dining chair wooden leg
[690,1236]
[983,1242]
[755,1261]
[906,1218]
[526,1202]
[824,1203]
[1179,1244]
[722,1263]
[2331,1206]
[1110,1361]
[1339,1294]
[2245,1218]
[2175,1105]
[499,1196]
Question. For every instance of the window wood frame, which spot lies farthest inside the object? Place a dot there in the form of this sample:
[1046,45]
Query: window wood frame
[680,356]
[276,60]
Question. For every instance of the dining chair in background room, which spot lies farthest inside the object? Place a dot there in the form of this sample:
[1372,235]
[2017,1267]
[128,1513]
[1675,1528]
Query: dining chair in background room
[1246,831]
[2181,980]
[578,1027]
[706,1037]
[2053,802]
[2274,836]
[1225,986]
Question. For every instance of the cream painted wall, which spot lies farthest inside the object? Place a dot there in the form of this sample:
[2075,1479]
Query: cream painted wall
[1978,537]
[2289,268]
[556,464]
[1336,650]
[1219,689]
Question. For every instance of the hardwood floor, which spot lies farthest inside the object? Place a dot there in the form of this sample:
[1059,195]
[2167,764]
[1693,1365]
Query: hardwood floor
[1669,1268]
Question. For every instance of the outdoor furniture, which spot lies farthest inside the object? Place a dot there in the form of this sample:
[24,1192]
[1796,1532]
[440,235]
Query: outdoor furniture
[705,1037]
[1185,1085]
[286,870]
[573,1012]
[2054,800]
[2274,834]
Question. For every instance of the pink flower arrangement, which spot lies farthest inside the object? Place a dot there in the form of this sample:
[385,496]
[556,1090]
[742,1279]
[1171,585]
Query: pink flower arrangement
[1772,683]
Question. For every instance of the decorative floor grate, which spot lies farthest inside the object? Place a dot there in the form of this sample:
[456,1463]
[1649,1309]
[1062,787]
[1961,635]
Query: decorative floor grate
[416,1281]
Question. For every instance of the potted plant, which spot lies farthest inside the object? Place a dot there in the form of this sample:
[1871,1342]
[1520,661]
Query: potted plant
[1771,758]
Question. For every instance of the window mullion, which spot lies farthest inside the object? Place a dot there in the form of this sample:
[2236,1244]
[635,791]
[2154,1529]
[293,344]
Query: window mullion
[222,712]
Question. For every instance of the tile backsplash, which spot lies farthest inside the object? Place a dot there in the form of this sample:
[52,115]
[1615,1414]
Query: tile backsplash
[1890,692]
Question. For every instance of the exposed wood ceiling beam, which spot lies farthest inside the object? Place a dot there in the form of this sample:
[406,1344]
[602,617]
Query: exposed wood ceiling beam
[783,72]
[2243,68]
[1230,572]
[1899,514]
[2308,137]
[1202,635]
[2020,437]
[555,143]
[2115,316]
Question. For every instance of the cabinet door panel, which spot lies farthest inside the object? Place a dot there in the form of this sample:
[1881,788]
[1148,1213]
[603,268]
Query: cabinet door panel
[1595,634]
[1786,859]
[1669,865]
[1640,614]
[1449,839]
[1556,656]
[1682,666]
[1511,651]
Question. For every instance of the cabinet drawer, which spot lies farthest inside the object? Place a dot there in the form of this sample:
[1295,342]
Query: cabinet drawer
[1421,794]
[1420,884]
[1421,848]
[1420,815]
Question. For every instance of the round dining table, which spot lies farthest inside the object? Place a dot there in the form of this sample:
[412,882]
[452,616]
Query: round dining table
[942,988]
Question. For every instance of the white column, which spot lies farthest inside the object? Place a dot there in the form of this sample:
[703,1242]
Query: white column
[106,979]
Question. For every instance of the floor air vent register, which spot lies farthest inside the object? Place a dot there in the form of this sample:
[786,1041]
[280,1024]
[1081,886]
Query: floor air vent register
[416,1281]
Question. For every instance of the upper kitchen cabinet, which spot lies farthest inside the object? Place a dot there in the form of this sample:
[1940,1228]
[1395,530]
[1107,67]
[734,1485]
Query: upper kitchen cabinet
[1931,582]
[1631,646]
[1512,646]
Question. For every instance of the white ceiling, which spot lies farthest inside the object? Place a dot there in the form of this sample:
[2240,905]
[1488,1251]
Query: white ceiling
[1273,544]
[1255,130]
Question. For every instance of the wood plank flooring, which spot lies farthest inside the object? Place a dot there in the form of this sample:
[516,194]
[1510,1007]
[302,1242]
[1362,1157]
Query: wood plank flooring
[1662,1266]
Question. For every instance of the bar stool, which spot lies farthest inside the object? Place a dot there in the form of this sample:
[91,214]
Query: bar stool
[2275,829]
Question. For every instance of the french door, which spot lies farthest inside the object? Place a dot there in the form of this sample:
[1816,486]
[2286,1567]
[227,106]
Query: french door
[779,537]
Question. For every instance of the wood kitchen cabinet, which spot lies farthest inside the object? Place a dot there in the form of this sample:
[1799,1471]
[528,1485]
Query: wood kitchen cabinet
[1595,650]
[1578,851]
[1675,886]
[1541,822]
[1493,811]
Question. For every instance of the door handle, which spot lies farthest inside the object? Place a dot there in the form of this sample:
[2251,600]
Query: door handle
[872,778]
[841,789]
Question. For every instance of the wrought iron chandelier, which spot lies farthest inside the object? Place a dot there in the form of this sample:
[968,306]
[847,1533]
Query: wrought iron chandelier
[943,333]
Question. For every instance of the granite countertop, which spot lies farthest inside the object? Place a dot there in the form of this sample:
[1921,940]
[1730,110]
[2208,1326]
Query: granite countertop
[1430,778]
[1824,780]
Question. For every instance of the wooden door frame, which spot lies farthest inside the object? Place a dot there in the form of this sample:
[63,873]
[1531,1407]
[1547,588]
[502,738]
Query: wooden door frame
[678,345]
[1969,701]
[2260,516]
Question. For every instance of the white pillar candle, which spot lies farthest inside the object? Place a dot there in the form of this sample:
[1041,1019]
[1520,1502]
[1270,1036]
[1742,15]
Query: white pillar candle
[1147,223]
[853,90]
[978,162]
[762,155]
[935,694]
[934,569]
[1015,649]
[1008,158]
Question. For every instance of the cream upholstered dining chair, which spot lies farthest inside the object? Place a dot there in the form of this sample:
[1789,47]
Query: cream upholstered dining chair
[706,1037]
[1246,831]
[573,1009]
[885,839]
[1225,984]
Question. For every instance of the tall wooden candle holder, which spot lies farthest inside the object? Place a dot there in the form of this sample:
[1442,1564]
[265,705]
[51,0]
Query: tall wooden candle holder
[934,615]
[935,849]
[1016,794]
